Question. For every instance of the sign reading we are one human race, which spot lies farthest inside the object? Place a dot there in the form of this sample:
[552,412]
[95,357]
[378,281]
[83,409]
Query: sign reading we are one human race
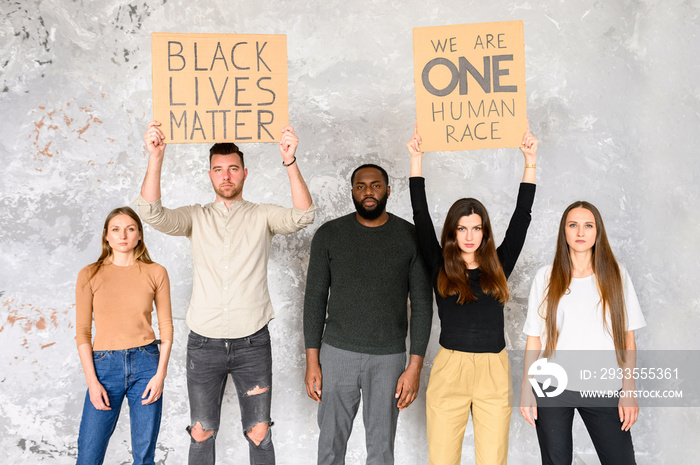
[470,85]
[220,87]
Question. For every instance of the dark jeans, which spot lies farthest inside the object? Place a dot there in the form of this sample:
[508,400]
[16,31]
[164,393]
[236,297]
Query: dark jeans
[555,416]
[249,362]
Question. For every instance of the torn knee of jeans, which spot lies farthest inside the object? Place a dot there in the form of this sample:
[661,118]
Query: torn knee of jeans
[257,390]
[255,435]
[199,434]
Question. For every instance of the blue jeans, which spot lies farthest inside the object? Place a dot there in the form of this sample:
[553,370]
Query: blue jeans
[123,373]
[249,362]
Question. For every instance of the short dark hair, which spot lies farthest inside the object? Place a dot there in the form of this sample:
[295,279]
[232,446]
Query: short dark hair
[370,165]
[225,148]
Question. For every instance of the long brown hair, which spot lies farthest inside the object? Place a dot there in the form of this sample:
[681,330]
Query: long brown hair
[140,252]
[453,278]
[608,280]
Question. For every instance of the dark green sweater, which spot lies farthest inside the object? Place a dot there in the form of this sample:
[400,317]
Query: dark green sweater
[358,285]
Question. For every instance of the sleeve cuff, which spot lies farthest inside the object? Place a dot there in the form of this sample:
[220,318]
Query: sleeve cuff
[417,181]
[147,209]
[304,217]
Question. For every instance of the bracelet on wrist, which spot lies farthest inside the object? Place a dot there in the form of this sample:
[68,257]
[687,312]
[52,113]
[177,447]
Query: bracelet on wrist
[290,163]
[530,165]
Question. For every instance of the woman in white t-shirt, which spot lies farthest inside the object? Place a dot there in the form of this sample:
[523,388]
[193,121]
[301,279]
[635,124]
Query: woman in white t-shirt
[583,301]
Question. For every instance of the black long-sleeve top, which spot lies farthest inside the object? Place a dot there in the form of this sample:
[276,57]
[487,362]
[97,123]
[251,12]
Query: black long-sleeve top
[476,326]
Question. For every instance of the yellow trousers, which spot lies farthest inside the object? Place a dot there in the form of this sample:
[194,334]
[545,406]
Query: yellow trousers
[463,382]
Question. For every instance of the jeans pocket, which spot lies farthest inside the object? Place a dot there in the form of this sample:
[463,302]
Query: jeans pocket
[195,341]
[99,355]
[151,350]
[259,339]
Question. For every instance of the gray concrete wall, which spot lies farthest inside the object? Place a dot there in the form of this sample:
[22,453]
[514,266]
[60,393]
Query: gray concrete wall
[613,96]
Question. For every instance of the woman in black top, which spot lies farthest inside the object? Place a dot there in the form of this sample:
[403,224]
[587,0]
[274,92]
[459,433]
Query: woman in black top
[471,372]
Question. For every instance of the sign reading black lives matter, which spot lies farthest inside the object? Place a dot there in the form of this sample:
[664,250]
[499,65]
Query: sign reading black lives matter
[470,85]
[220,87]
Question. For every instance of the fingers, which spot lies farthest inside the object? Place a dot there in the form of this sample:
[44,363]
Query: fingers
[313,389]
[415,133]
[154,136]
[100,400]
[525,412]
[621,413]
[407,397]
[529,140]
[406,393]
[414,144]
[288,141]
[152,393]
[528,407]
[628,416]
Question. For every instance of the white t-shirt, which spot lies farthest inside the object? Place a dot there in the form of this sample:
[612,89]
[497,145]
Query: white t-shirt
[581,326]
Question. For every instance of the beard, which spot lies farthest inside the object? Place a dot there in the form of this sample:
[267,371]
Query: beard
[228,192]
[371,213]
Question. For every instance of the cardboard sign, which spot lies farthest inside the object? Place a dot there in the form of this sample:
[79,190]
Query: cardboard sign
[220,87]
[470,85]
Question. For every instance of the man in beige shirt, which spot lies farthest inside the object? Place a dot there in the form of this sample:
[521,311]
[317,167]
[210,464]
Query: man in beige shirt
[230,305]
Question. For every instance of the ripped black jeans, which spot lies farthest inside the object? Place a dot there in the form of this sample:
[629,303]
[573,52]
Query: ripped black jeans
[209,362]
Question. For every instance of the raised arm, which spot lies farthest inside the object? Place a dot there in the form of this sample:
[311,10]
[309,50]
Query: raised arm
[413,147]
[154,139]
[427,239]
[529,149]
[512,245]
[301,198]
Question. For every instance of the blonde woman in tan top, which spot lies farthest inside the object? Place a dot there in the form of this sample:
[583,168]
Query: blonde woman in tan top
[118,292]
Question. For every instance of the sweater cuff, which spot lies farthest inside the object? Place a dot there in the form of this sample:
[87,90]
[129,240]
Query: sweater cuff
[417,181]
[526,195]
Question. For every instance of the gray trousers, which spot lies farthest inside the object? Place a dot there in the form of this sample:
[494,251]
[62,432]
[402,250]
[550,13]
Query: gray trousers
[348,377]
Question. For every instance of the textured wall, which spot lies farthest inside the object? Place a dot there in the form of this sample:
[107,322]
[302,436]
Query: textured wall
[613,95]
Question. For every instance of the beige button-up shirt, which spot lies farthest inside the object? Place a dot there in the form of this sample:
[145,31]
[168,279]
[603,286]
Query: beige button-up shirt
[230,249]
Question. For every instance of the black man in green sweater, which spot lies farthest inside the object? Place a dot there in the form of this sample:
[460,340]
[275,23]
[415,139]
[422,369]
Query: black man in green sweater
[362,269]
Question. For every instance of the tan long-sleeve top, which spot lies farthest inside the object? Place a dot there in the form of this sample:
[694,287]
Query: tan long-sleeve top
[230,249]
[120,299]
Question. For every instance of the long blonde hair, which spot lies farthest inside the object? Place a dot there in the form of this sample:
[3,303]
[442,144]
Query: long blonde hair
[140,252]
[608,279]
